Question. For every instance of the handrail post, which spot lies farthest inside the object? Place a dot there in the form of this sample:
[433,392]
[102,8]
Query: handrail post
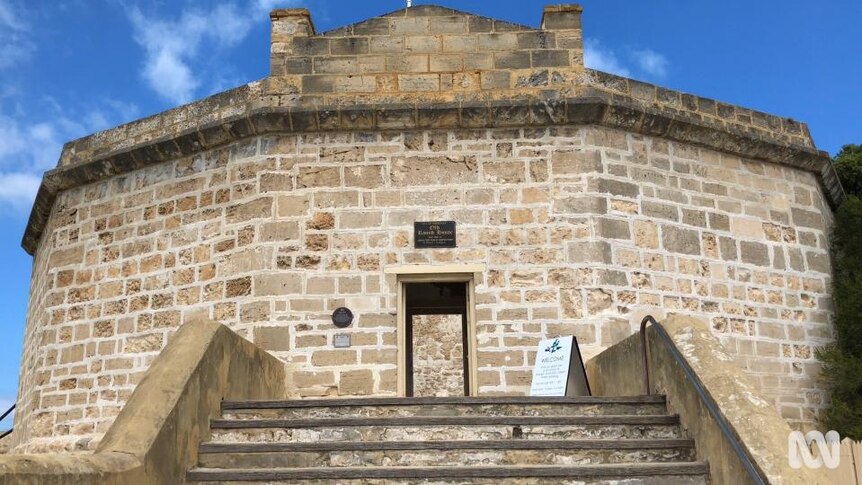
[644,356]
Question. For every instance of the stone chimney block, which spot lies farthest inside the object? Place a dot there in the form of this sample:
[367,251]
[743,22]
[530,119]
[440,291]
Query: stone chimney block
[565,22]
[287,24]
[562,17]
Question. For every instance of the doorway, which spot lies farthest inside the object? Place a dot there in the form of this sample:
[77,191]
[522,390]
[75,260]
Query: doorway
[436,335]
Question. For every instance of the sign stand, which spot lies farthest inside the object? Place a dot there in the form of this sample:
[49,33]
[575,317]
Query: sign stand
[559,369]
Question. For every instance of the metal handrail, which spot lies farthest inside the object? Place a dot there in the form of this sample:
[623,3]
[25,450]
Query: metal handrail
[752,469]
[9,431]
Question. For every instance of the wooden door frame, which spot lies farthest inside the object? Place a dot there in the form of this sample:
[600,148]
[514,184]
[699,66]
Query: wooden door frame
[426,274]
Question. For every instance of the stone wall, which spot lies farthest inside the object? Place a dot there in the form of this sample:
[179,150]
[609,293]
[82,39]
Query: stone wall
[438,355]
[580,228]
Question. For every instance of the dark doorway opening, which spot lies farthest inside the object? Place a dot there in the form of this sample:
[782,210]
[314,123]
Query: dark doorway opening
[436,339]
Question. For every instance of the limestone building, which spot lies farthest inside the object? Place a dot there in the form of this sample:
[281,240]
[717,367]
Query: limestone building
[580,202]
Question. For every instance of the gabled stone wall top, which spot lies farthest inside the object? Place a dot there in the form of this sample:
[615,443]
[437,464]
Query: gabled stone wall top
[428,67]
[425,53]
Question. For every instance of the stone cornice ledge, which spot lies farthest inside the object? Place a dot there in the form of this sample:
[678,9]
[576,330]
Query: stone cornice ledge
[594,106]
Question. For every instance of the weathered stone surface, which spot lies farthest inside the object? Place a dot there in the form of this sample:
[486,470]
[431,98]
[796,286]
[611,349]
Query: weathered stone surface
[438,355]
[754,253]
[754,420]
[442,170]
[678,240]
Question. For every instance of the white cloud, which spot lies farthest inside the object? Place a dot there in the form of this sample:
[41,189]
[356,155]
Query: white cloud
[267,5]
[641,63]
[651,62]
[15,44]
[172,45]
[19,189]
[29,148]
[597,57]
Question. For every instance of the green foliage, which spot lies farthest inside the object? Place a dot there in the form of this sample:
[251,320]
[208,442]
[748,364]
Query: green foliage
[842,360]
[848,164]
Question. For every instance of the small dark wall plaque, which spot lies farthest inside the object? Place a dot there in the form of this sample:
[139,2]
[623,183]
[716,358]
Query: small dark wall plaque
[342,317]
[436,234]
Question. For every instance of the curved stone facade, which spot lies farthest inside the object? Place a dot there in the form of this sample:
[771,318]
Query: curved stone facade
[582,229]
[586,199]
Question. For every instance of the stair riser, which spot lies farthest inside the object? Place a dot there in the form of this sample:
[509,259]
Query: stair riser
[450,410]
[445,433]
[661,480]
[441,458]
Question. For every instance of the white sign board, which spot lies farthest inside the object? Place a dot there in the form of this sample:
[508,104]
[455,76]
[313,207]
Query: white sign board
[559,369]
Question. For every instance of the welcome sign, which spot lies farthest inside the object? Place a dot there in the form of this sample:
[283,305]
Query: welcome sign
[559,369]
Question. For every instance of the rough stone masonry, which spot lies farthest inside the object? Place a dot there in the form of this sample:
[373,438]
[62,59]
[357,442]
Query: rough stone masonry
[590,199]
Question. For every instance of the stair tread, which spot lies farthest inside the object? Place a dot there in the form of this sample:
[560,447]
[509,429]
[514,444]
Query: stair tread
[598,470]
[609,419]
[423,401]
[263,447]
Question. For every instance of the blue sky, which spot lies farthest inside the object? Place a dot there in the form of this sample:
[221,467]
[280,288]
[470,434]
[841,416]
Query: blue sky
[72,67]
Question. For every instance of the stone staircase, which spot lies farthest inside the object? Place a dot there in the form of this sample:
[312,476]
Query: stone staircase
[631,440]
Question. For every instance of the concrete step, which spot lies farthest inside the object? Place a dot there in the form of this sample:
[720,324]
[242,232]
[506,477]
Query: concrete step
[634,473]
[446,428]
[443,453]
[452,406]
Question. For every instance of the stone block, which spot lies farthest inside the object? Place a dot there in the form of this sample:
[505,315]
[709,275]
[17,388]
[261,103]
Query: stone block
[550,58]
[495,79]
[292,205]
[728,248]
[507,41]
[409,26]
[612,228]
[590,252]
[386,45]
[512,60]
[258,208]
[423,44]
[659,210]
[277,284]
[419,82]
[454,24]
[818,262]
[504,172]
[321,221]
[273,338]
[446,62]
[319,177]
[365,176]
[460,43]
[615,187]
[679,240]
[349,46]
[482,61]
[806,218]
[439,170]
[719,222]
[360,220]
[581,205]
[328,358]
[575,162]
[354,382]
[754,253]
